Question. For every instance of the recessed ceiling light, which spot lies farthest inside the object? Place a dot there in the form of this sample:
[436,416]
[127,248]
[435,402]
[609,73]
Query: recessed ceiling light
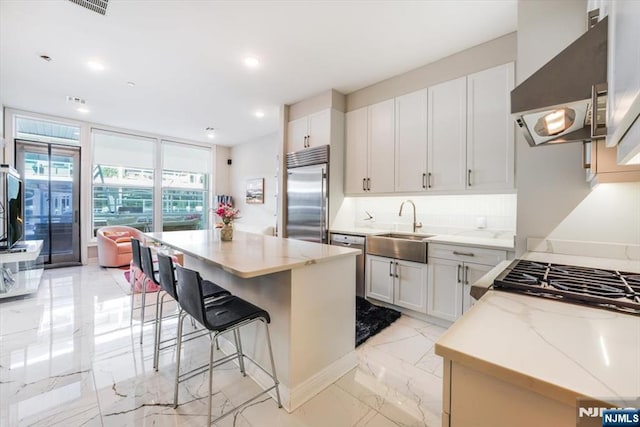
[259,114]
[46,58]
[131,84]
[83,110]
[95,65]
[251,62]
[210,133]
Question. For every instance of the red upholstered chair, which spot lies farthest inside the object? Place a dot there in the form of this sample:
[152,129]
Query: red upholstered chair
[114,245]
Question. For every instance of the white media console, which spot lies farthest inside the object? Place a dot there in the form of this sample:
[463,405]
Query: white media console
[20,273]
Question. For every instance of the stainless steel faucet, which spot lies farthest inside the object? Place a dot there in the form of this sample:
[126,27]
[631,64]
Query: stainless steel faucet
[415,224]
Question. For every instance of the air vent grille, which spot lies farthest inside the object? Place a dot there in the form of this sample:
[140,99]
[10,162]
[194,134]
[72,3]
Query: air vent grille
[76,100]
[308,157]
[98,6]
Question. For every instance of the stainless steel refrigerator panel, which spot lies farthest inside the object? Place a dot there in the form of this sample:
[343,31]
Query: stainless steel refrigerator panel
[307,203]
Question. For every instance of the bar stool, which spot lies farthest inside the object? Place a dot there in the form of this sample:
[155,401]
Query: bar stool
[222,315]
[167,282]
[137,262]
[135,268]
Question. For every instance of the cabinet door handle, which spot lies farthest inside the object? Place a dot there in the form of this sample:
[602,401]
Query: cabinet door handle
[424,180]
[390,267]
[466,274]
[464,253]
[429,180]
[598,125]
[368,184]
[586,154]
[458,273]
[396,270]
[364,184]
[469,178]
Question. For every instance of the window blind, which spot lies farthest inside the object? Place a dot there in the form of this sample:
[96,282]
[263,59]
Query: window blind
[117,149]
[185,158]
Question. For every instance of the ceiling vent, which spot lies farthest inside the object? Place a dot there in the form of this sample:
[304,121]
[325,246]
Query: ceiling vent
[98,6]
[76,100]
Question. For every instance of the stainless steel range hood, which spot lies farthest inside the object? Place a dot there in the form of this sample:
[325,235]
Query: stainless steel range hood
[556,104]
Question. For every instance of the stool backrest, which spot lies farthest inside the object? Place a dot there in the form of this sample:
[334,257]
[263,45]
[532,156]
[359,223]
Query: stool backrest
[189,287]
[166,275]
[147,263]
[135,252]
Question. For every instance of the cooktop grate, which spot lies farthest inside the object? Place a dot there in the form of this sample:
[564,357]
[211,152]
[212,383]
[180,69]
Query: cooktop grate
[609,289]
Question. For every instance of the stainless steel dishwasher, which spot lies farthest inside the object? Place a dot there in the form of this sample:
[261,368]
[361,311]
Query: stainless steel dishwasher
[355,242]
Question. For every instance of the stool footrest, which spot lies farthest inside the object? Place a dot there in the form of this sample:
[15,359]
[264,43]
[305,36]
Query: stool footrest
[245,403]
[200,369]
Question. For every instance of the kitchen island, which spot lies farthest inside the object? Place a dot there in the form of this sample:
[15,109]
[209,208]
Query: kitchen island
[308,290]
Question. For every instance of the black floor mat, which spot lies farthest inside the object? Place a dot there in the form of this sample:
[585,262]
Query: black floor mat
[371,319]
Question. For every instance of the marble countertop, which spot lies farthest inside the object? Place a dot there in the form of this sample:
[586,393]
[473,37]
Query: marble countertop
[250,255]
[560,350]
[478,238]
[478,241]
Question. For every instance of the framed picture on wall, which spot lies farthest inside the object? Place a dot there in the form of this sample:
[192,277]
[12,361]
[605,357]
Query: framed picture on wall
[255,190]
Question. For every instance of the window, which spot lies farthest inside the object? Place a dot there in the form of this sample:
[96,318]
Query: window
[122,180]
[185,186]
[46,131]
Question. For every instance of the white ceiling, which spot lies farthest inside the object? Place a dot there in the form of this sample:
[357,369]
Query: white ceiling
[186,57]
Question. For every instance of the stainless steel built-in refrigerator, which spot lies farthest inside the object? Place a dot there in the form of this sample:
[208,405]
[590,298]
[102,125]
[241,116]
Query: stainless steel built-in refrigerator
[308,194]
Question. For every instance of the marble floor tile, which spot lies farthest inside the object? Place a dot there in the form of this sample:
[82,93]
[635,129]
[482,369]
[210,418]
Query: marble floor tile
[70,355]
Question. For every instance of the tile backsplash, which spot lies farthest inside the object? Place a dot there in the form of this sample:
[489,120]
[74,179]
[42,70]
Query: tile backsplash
[489,211]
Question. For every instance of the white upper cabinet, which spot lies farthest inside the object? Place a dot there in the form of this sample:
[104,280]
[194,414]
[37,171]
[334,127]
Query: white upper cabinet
[356,151]
[490,129]
[309,131]
[297,134]
[453,137]
[623,63]
[381,147]
[370,149]
[411,142]
[447,135]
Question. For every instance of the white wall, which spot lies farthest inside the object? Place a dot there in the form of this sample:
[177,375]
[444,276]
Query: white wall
[442,214]
[553,198]
[477,58]
[255,159]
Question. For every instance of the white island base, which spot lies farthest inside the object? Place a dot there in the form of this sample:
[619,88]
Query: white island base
[312,324]
[308,289]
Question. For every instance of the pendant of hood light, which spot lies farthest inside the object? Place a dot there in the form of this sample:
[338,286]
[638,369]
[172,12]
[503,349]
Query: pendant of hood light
[555,122]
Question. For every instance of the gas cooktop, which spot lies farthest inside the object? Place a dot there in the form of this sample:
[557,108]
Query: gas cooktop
[610,289]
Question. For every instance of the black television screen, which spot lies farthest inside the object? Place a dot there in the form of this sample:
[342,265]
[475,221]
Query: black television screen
[14,211]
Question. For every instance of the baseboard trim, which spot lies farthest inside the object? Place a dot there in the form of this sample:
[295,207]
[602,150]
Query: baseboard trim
[323,379]
[293,399]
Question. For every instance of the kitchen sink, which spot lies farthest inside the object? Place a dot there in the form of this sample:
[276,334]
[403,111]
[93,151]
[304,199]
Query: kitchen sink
[409,247]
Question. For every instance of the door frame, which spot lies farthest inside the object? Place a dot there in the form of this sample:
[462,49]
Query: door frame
[51,149]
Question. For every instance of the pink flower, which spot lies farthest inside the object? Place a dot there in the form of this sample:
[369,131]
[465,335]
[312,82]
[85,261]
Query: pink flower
[227,213]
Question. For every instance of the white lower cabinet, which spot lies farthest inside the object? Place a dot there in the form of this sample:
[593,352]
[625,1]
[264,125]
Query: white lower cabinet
[451,276]
[398,282]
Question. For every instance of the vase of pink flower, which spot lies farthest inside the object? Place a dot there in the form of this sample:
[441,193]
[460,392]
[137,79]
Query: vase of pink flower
[227,214]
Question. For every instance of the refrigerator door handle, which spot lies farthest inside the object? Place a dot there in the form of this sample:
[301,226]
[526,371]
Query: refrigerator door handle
[323,208]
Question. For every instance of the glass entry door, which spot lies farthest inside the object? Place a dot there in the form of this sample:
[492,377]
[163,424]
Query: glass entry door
[51,176]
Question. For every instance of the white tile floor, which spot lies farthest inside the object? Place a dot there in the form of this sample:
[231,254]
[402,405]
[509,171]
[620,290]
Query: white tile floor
[68,357]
